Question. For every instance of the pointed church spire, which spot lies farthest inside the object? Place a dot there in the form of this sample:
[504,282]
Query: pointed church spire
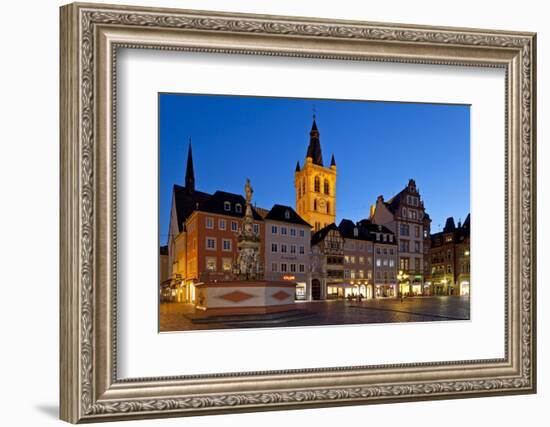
[314,148]
[298,166]
[332,161]
[189,171]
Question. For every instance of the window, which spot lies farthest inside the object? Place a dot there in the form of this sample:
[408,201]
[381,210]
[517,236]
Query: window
[355,231]
[283,230]
[328,207]
[274,247]
[210,263]
[273,229]
[391,238]
[302,249]
[378,275]
[238,208]
[209,222]
[425,234]
[221,224]
[283,248]
[302,268]
[378,251]
[361,260]
[283,268]
[327,187]
[352,274]
[317,184]
[449,268]
[378,262]
[211,243]
[417,265]
[416,231]
[346,274]
[256,228]
[417,247]
[404,229]
[385,262]
[404,264]
[404,245]
[287,214]
[391,251]
[226,245]
[392,262]
[346,259]
[361,274]
[292,249]
[226,206]
[226,264]
[274,267]
[234,226]
[369,260]
[352,260]
[385,251]
[293,268]
[315,204]
[369,274]
[302,233]
[293,232]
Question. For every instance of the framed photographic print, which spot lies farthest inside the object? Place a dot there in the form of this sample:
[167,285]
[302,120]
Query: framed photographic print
[265,212]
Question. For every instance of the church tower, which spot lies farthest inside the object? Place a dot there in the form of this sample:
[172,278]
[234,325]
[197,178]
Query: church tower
[315,185]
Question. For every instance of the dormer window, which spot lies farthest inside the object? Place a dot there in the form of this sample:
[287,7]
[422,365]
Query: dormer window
[226,206]
[355,232]
[238,208]
[287,214]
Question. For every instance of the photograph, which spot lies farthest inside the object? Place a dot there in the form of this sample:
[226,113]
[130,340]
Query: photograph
[292,212]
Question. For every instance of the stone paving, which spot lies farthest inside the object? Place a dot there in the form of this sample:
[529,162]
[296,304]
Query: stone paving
[414,309]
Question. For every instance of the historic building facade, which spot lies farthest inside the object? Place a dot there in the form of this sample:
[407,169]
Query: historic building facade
[202,240]
[404,215]
[315,185]
[287,249]
[449,259]
[327,262]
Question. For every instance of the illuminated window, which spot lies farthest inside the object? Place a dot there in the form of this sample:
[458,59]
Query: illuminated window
[226,264]
[210,263]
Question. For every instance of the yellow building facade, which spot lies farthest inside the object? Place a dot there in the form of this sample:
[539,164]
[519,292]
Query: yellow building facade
[315,185]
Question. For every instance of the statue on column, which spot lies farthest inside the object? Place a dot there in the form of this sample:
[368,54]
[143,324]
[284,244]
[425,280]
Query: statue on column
[248,265]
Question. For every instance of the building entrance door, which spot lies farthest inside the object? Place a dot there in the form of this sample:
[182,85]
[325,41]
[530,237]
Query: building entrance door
[315,289]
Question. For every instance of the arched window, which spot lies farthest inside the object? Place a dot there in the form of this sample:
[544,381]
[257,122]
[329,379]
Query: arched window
[328,207]
[303,186]
[315,204]
[327,187]
[317,184]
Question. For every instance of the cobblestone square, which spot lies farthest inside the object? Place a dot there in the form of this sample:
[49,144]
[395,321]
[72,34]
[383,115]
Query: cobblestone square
[176,316]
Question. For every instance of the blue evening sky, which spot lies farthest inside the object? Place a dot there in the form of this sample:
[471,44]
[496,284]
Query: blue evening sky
[378,147]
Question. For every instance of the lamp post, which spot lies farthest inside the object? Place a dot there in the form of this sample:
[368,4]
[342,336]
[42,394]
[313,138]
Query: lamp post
[401,277]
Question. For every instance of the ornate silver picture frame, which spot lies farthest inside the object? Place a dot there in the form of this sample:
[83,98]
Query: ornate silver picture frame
[91,390]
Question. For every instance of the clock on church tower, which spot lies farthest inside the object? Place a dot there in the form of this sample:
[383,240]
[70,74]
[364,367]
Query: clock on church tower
[315,185]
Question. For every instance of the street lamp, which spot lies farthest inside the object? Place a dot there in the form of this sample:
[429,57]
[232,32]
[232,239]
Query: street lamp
[401,277]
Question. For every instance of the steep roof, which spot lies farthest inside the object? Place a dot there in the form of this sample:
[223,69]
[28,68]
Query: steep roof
[314,148]
[285,214]
[186,201]
[322,233]
[216,204]
[347,229]
[189,170]
[370,229]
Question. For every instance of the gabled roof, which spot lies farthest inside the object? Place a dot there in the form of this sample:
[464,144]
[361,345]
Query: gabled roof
[216,204]
[347,229]
[285,214]
[186,201]
[371,229]
[322,233]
